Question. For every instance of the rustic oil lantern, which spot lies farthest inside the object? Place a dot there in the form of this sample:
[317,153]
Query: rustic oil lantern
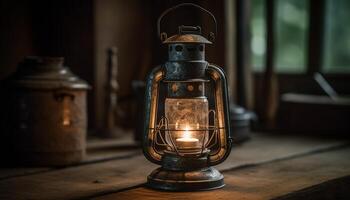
[48,116]
[187,114]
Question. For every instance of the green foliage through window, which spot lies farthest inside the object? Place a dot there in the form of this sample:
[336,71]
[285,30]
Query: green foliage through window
[337,37]
[291,28]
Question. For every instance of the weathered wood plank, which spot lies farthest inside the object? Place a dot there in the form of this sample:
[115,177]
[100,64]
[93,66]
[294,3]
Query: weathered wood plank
[98,150]
[107,149]
[267,147]
[20,171]
[76,182]
[105,177]
[266,181]
[332,189]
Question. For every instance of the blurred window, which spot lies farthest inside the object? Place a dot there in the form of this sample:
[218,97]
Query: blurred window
[291,31]
[337,37]
[258,40]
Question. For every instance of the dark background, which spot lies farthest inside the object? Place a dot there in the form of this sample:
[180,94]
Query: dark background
[82,30]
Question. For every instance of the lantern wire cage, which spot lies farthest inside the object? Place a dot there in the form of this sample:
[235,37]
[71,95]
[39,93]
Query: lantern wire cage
[159,143]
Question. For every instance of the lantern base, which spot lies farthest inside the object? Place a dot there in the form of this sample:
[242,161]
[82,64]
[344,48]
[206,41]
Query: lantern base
[185,174]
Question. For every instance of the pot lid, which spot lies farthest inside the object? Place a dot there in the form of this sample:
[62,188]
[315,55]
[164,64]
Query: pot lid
[46,73]
[238,113]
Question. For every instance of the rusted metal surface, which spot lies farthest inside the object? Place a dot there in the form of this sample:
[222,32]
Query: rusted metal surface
[48,113]
[184,76]
[188,38]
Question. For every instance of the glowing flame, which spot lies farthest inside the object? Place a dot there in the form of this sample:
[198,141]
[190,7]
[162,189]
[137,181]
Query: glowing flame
[186,133]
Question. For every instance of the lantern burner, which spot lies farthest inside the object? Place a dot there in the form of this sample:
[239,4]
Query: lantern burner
[164,143]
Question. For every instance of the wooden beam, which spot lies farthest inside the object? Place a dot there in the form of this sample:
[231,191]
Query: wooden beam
[316,36]
[230,48]
[243,54]
[269,100]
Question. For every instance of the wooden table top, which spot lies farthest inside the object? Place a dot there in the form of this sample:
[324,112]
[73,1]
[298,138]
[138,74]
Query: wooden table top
[266,167]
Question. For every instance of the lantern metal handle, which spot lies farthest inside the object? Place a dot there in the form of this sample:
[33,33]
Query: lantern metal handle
[152,95]
[223,116]
[163,35]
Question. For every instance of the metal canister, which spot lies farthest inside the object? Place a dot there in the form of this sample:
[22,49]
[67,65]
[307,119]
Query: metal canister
[240,123]
[48,114]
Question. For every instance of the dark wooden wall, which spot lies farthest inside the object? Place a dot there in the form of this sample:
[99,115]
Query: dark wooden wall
[82,30]
[48,28]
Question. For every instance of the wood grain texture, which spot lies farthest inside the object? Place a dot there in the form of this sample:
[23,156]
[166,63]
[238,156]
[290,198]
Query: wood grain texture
[9,172]
[266,181]
[114,175]
[98,150]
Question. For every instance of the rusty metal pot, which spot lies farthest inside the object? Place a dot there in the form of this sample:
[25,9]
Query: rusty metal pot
[48,117]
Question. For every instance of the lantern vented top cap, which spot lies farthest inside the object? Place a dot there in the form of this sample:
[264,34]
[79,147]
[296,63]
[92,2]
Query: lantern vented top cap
[187,34]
